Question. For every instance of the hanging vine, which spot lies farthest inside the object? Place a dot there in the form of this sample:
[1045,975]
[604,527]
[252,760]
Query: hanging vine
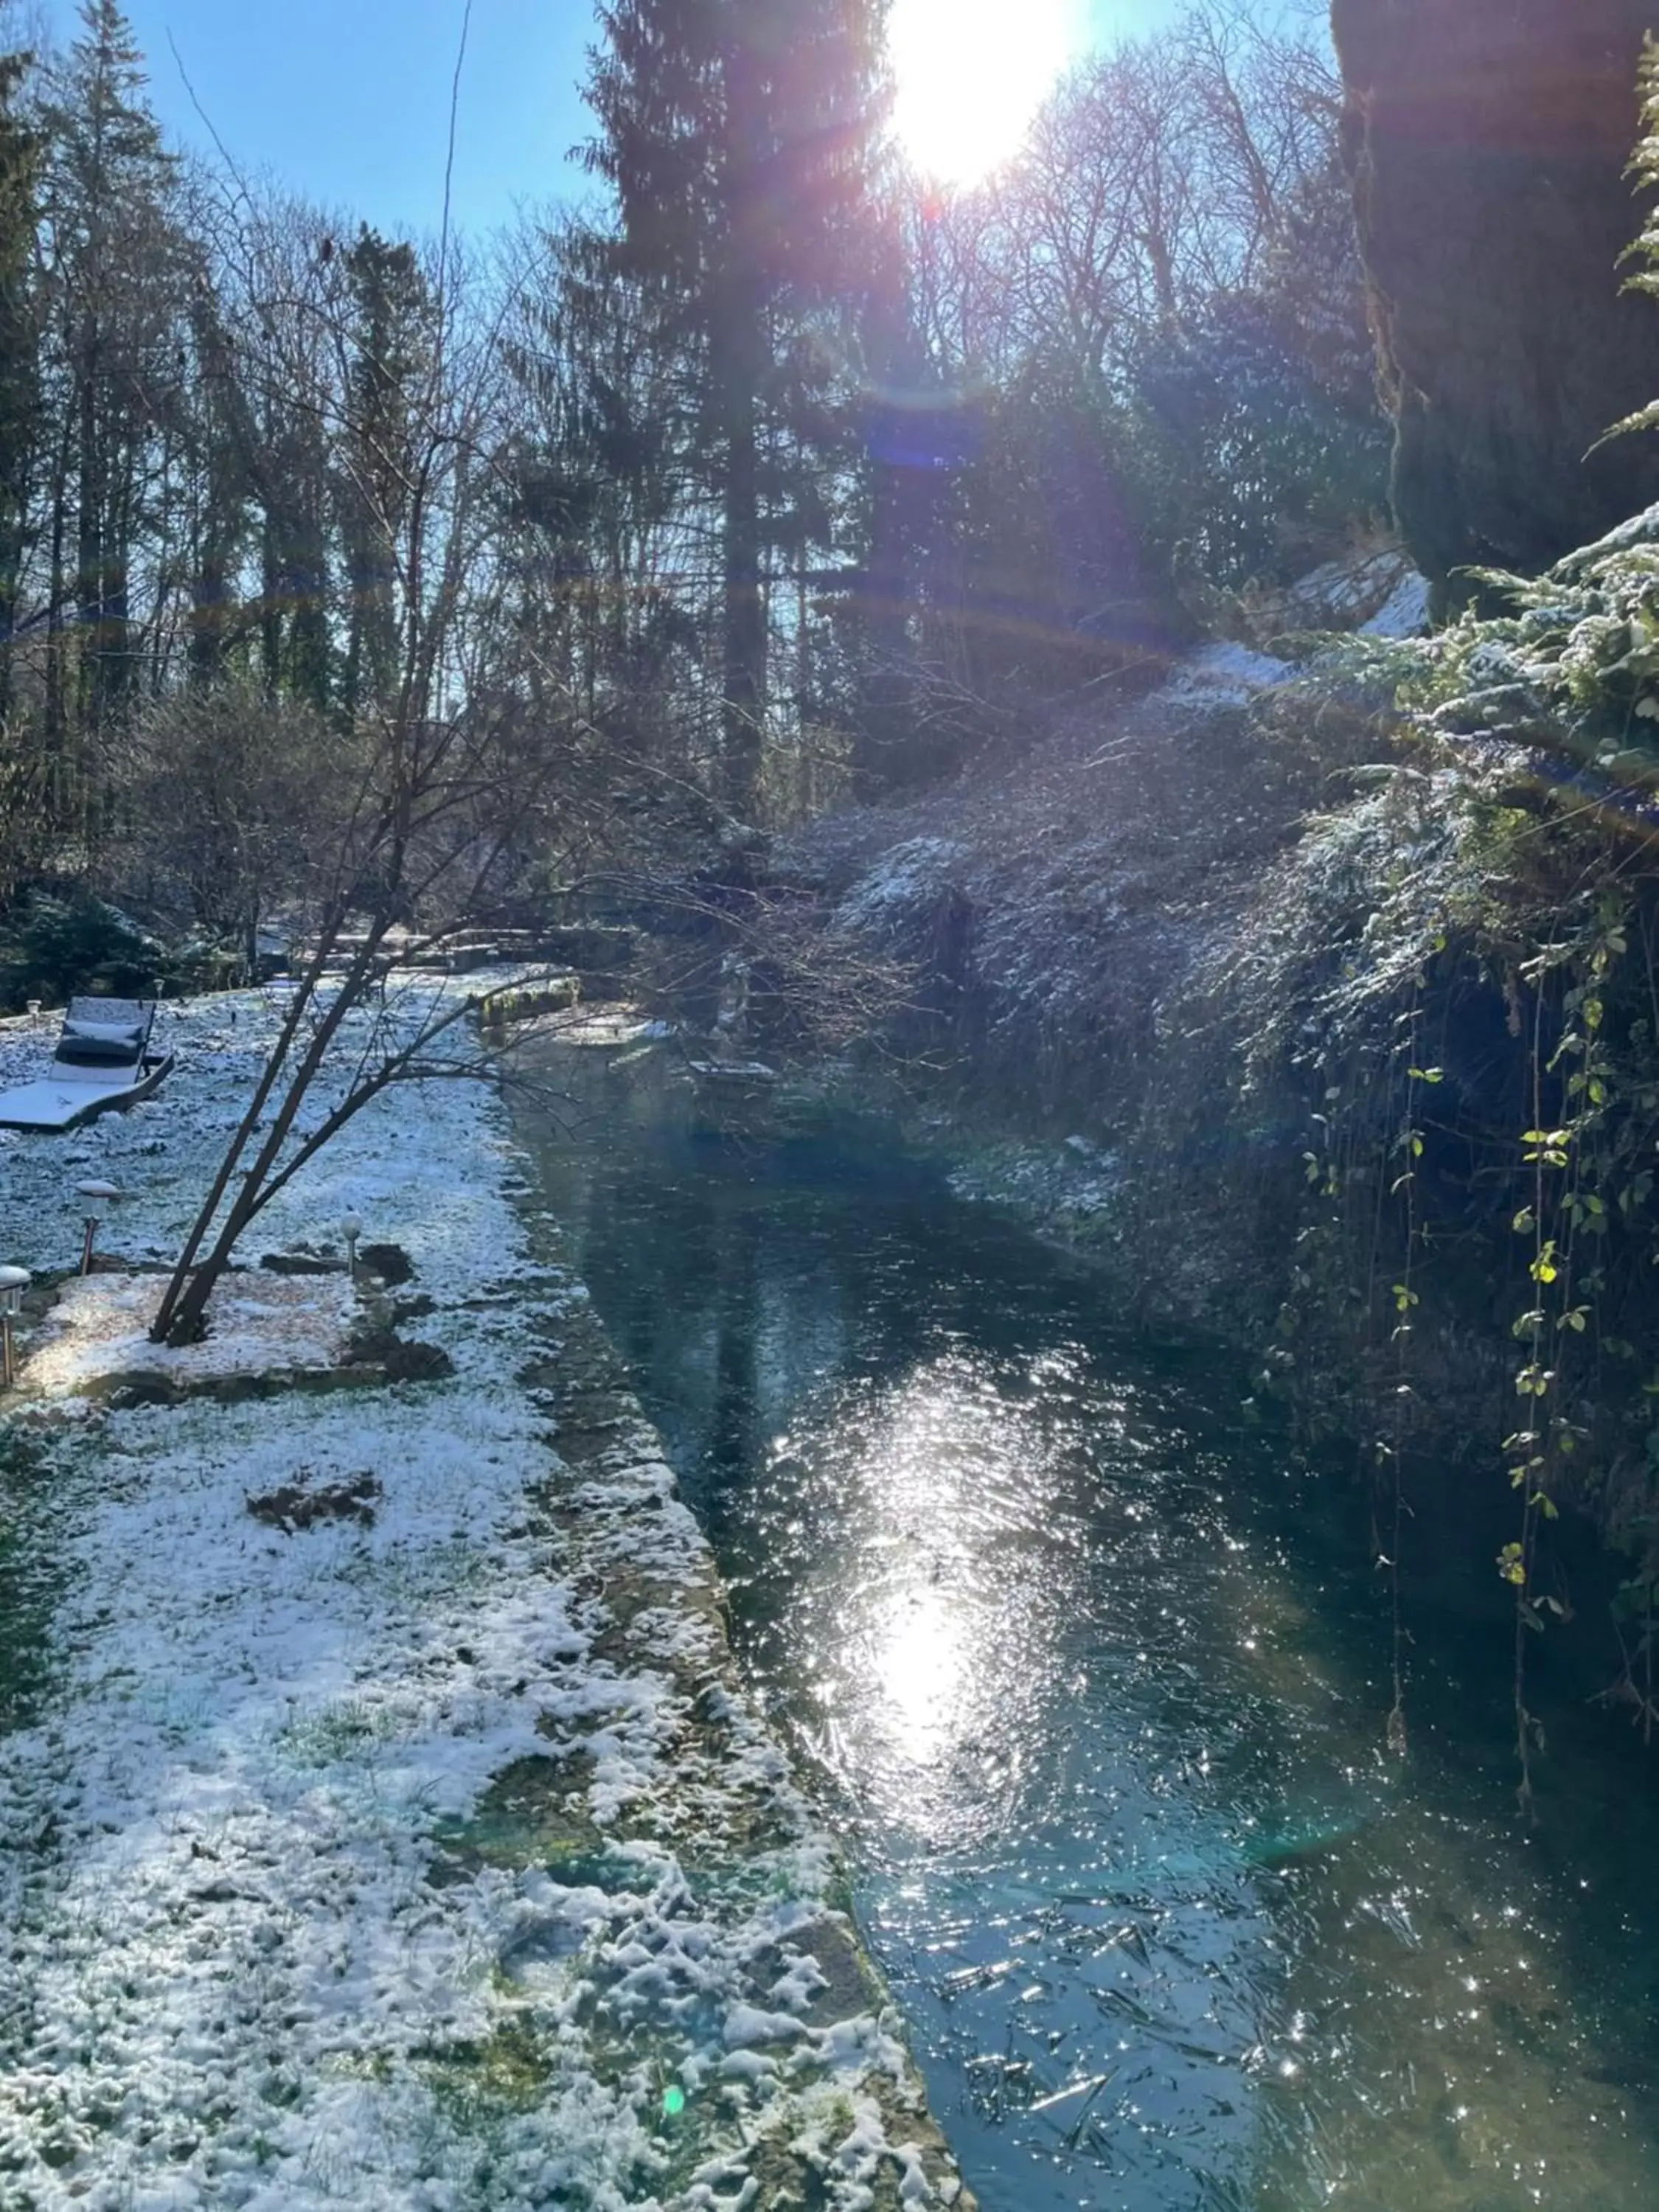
[1408,1148]
[1564,1206]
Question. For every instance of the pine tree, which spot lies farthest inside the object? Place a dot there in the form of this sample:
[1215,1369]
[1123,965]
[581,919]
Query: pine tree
[737,138]
[390,347]
[219,489]
[113,272]
[21,149]
[593,490]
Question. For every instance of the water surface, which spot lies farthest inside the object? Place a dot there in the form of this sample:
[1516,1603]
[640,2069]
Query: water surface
[1092,1679]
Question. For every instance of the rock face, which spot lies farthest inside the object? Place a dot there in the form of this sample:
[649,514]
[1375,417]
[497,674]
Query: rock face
[1488,141]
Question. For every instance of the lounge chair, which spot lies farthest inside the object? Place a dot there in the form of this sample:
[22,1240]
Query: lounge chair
[103,1061]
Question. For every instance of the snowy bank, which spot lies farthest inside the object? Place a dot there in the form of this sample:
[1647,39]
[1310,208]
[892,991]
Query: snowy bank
[420,1853]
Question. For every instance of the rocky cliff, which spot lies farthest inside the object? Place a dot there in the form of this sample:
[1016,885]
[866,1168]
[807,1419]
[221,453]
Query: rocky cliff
[1488,141]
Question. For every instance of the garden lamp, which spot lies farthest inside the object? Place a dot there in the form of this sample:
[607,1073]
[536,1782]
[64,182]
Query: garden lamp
[13,1281]
[351,1228]
[97,1196]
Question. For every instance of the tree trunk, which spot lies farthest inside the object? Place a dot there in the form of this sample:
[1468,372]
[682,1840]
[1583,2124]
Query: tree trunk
[1489,144]
[181,1318]
[56,673]
[737,368]
[88,562]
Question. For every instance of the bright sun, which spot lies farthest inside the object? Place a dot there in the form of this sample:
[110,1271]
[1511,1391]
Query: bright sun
[970,75]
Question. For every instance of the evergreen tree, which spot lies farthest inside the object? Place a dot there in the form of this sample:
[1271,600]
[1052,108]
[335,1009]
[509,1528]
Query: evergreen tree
[218,489]
[596,495]
[113,272]
[295,409]
[737,137]
[20,169]
[390,347]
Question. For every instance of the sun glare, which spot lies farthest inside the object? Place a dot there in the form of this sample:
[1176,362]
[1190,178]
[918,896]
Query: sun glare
[970,75]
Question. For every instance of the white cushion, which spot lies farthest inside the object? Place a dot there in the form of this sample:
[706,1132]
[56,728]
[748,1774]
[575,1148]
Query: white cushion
[122,1033]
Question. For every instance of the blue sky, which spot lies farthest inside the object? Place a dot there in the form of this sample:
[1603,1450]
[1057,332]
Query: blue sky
[348,101]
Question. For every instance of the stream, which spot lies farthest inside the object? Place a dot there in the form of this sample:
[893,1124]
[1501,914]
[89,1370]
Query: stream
[1091,1678]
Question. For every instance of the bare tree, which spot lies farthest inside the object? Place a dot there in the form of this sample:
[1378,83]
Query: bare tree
[232,796]
[446,777]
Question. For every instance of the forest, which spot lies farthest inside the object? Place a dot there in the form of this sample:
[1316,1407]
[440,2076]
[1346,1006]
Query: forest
[747,480]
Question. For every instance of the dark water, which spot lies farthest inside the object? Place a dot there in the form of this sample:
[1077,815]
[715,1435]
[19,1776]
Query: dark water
[1093,1682]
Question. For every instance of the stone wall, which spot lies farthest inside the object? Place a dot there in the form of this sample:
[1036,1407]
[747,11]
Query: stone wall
[1488,141]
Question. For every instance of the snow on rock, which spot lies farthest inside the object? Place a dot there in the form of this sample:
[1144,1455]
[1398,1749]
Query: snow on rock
[1405,612]
[407,1860]
[1342,595]
[1069,1190]
[1220,676]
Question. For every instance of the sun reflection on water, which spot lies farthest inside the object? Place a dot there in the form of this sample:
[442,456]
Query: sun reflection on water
[943,1477]
[919,1670]
[1096,1714]
[1102,1722]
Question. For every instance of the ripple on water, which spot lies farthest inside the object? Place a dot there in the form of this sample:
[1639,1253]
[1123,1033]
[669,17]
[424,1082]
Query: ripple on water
[1171,1931]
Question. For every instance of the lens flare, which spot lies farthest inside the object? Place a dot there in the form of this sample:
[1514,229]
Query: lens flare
[970,75]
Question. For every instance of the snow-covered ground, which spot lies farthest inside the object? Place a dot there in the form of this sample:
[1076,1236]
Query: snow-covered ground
[420,1855]
[265,1323]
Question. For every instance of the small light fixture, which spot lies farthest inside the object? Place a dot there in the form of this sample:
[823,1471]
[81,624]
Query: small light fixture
[33,1006]
[97,1196]
[13,1281]
[351,1228]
